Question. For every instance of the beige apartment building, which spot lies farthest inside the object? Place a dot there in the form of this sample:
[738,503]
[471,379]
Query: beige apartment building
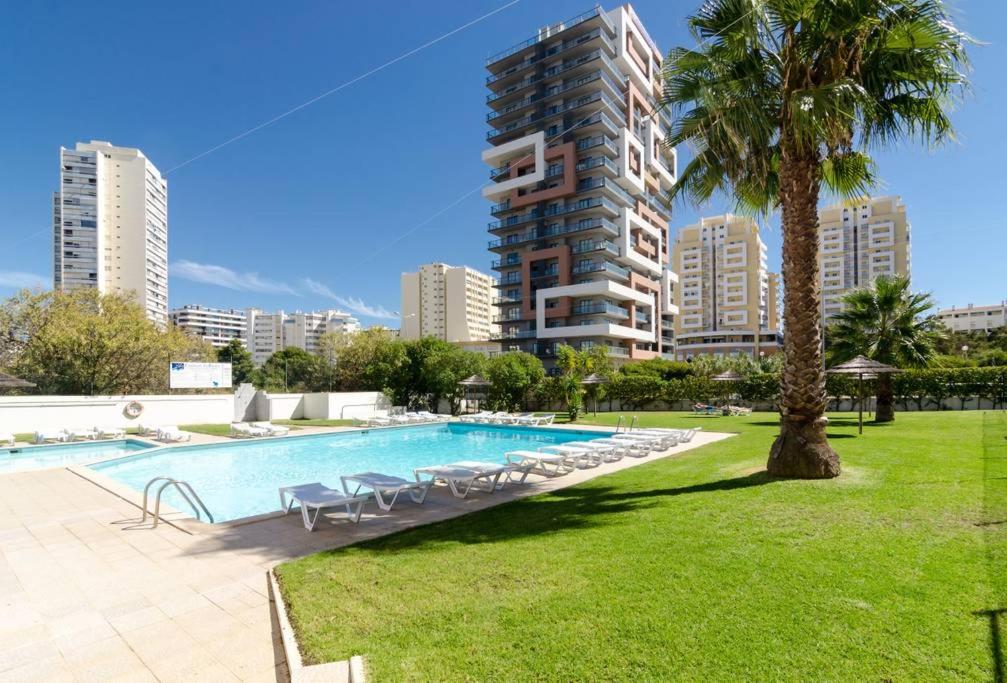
[267,333]
[726,298]
[974,318]
[860,240]
[453,303]
[579,183]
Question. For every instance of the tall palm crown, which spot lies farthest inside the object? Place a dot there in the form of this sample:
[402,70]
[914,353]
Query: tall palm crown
[886,322]
[783,96]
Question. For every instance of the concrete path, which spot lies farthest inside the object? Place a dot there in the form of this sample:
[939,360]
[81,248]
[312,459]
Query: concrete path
[86,595]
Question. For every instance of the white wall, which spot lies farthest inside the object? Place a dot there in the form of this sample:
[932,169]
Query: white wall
[321,406]
[31,413]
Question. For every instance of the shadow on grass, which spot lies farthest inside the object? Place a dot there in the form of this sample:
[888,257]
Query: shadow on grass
[577,507]
[996,640]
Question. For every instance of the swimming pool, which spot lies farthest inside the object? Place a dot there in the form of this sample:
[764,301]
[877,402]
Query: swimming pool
[64,454]
[242,479]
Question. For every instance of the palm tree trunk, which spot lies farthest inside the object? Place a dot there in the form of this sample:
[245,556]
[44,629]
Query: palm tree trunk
[885,408]
[801,450]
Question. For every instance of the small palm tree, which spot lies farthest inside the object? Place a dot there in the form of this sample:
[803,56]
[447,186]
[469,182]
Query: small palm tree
[783,96]
[890,324]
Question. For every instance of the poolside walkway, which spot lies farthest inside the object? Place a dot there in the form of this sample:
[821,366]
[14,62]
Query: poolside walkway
[85,595]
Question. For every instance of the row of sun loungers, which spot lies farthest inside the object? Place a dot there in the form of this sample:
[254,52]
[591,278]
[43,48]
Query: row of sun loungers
[503,418]
[410,418]
[77,434]
[465,476]
[251,430]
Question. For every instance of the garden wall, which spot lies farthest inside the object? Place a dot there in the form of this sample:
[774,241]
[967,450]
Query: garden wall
[33,413]
[320,406]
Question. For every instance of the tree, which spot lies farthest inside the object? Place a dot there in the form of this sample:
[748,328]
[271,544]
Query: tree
[84,342]
[658,367]
[291,369]
[513,377]
[782,97]
[242,367]
[888,323]
[369,360]
[575,365]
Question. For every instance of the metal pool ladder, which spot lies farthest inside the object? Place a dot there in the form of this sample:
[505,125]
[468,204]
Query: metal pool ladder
[184,488]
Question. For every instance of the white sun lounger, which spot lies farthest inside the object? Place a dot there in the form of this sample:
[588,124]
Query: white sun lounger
[271,429]
[578,457]
[627,447]
[83,434]
[460,480]
[384,485]
[475,417]
[665,440]
[607,452]
[545,464]
[650,443]
[433,417]
[315,497]
[7,438]
[244,430]
[507,472]
[48,435]
[110,432]
[172,433]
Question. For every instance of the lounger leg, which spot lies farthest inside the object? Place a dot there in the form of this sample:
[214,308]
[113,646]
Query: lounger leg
[310,521]
[354,515]
[419,496]
[382,503]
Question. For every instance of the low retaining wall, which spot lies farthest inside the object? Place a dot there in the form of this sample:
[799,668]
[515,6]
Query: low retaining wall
[321,406]
[33,413]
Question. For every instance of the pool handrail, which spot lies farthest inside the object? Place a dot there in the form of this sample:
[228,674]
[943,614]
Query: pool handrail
[181,487]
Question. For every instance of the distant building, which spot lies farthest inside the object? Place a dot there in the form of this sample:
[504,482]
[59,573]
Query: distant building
[486,348]
[859,240]
[726,297]
[216,325]
[447,302]
[110,225]
[267,333]
[971,318]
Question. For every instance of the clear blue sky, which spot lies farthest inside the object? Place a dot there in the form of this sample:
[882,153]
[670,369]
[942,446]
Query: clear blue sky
[306,213]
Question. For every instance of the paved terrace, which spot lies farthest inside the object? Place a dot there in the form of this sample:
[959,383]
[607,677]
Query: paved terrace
[86,595]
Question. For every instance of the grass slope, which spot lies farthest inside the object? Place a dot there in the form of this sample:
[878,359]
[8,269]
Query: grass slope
[694,567]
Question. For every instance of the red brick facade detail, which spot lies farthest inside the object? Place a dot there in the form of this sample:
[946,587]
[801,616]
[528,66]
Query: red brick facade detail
[562,256]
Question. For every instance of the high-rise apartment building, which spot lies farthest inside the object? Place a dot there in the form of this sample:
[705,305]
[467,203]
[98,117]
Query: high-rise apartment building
[579,180]
[971,318]
[110,225]
[216,325]
[267,333]
[727,298]
[446,302]
[858,240]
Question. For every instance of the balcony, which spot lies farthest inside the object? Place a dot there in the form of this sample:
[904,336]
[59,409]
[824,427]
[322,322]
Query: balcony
[516,334]
[601,267]
[607,184]
[566,88]
[507,300]
[507,319]
[550,33]
[579,226]
[617,351]
[604,307]
[597,140]
[600,245]
[551,271]
[573,207]
[509,279]
[558,110]
[598,162]
[505,263]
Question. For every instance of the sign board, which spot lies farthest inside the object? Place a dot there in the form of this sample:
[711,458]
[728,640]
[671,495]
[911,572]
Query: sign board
[199,375]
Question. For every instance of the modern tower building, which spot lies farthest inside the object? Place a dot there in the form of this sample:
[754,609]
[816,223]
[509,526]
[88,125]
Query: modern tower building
[727,298]
[446,302]
[110,225]
[970,318]
[267,333]
[859,240]
[216,325]
[579,182]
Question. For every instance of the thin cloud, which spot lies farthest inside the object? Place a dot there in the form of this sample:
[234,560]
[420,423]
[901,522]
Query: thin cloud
[352,303]
[14,279]
[212,274]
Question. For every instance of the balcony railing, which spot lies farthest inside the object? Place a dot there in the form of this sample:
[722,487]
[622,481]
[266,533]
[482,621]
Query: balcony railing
[535,214]
[510,279]
[600,307]
[552,71]
[556,111]
[598,245]
[595,162]
[617,351]
[589,224]
[603,266]
[516,334]
[547,34]
[594,141]
[506,300]
[557,90]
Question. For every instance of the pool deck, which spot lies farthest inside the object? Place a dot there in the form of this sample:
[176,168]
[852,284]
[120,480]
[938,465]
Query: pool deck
[87,595]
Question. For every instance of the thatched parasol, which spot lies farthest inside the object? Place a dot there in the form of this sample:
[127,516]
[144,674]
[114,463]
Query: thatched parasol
[473,381]
[12,382]
[863,368]
[592,380]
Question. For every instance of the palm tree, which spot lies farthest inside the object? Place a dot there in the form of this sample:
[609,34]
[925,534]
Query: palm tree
[782,97]
[890,324]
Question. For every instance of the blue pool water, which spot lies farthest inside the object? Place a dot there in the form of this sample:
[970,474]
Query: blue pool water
[62,455]
[242,479]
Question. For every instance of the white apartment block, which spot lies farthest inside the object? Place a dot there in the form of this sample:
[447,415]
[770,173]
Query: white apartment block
[110,225]
[859,240]
[216,325]
[267,333]
[727,298]
[972,318]
[579,185]
[447,302]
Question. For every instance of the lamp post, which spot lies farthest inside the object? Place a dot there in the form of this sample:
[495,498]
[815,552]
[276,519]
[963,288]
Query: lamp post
[965,351]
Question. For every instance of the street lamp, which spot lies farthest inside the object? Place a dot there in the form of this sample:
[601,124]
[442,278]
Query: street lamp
[965,350]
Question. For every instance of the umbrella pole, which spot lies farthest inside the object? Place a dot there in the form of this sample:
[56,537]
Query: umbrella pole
[860,380]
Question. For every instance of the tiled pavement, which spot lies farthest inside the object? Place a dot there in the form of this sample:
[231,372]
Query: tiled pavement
[85,595]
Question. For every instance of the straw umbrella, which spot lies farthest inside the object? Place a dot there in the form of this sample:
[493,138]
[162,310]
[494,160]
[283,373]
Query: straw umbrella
[8,382]
[729,376]
[474,381]
[863,368]
[593,380]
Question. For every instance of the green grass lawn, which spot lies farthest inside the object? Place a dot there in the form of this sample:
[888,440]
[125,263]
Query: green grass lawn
[695,567]
[211,429]
[315,423]
[225,429]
